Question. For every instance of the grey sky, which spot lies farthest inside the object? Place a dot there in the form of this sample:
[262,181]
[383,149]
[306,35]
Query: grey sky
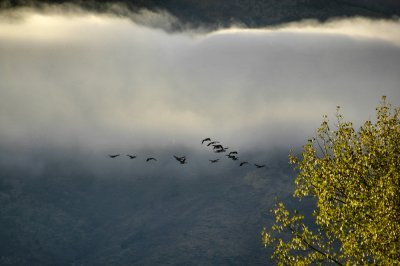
[100,81]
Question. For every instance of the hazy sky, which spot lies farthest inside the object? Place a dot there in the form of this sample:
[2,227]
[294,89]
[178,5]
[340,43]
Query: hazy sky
[81,79]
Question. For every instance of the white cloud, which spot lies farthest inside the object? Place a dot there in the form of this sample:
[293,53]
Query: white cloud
[97,80]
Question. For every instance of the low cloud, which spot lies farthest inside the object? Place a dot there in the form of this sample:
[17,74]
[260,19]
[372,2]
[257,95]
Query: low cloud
[355,28]
[102,81]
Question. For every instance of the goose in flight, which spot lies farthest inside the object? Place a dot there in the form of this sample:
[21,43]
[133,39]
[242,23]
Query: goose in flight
[235,158]
[131,156]
[259,166]
[204,140]
[214,161]
[113,155]
[182,159]
[217,147]
[243,163]
[212,142]
[233,152]
[151,158]
[223,149]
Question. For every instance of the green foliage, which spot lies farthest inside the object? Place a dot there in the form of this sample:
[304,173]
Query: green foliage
[355,180]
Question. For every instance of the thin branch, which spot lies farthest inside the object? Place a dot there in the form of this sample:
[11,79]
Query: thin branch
[339,200]
[325,254]
[321,252]
[324,152]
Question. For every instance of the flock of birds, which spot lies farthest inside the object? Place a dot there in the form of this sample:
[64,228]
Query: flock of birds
[216,146]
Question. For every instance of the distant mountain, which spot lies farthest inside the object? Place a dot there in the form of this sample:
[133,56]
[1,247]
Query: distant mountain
[67,216]
[250,13]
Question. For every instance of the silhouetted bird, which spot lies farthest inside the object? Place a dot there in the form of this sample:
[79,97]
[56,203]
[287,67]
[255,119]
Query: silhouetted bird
[131,156]
[220,150]
[233,157]
[151,158]
[204,140]
[214,161]
[212,142]
[114,155]
[243,163]
[217,147]
[182,159]
[233,152]
[259,166]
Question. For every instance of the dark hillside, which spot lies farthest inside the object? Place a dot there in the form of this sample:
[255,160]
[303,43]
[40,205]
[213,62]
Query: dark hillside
[251,13]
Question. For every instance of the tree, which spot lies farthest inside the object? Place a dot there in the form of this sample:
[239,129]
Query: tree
[354,178]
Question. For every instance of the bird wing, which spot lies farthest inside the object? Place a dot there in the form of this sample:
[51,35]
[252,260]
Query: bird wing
[204,140]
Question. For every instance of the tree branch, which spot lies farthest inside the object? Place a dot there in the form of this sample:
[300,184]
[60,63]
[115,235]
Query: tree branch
[325,254]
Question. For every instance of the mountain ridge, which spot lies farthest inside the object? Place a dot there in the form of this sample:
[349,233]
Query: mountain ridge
[249,13]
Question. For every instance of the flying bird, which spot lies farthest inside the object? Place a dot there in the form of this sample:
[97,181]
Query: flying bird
[151,158]
[235,158]
[204,140]
[223,149]
[233,152]
[243,163]
[214,161]
[212,142]
[259,166]
[182,159]
[217,147]
[131,156]
[113,155]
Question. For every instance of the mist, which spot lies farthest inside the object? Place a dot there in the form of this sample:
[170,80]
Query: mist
[92,79]
[77,86]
